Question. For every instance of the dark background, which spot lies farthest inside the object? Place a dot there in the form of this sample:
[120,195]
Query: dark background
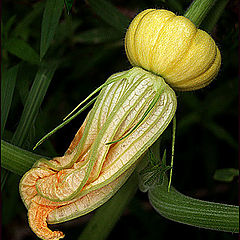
[206,137]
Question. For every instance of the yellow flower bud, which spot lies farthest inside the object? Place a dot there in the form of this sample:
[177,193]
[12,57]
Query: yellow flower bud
[173,48]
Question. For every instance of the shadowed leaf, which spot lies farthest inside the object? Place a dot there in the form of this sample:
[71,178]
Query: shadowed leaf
[22,50]
[98,35]
[51,16]
[7,88]
[226,174]
[110,14]
[33,102]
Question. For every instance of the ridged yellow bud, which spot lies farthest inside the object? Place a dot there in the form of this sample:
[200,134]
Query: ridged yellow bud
[172,47]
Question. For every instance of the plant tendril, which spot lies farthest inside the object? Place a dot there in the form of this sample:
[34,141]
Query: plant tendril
[173,144]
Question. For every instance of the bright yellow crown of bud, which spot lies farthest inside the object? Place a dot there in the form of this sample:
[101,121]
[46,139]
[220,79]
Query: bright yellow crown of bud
[171,46]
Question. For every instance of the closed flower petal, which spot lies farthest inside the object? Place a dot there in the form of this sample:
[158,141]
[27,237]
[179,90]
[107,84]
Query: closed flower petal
[173,48]
[127,118]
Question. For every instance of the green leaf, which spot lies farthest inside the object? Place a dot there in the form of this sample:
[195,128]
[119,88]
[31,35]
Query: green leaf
[32,105]
[66,30]
[214,15]
[4,175]
[221,133]
[180,208]
[24,83]
[176,6]
[68,4]
[16,159]
[154,172]
[187,121]
[110,14]
[97,58]
[51,16]
[8,25]
[220,99]
[98,35]
[7,88]
[22,50]
[23,25]
[107,216]
[34,101]
[152,158]
[226,174]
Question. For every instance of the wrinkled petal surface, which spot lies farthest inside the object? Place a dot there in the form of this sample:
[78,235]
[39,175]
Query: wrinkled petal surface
[91,171]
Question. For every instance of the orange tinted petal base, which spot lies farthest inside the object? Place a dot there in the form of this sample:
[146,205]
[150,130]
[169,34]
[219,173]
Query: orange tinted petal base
[37,217]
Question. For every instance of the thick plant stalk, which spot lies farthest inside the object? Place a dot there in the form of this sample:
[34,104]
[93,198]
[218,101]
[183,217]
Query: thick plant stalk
[198,10]
[180,208]
[16,159]
[213,16]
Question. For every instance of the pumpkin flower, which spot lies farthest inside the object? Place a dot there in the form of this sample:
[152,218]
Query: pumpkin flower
[130,113]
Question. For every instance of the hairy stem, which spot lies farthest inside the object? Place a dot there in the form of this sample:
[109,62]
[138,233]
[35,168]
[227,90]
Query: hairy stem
[15,159]
[198,10]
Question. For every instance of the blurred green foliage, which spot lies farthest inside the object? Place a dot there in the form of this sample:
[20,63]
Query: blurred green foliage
[79,52]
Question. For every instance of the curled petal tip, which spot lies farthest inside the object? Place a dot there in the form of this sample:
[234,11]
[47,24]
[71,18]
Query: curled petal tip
[37,217]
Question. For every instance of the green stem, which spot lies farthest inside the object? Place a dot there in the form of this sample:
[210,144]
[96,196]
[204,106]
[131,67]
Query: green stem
[213,16]
[198,10]
[180,208]
[16,159]
[173,145]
